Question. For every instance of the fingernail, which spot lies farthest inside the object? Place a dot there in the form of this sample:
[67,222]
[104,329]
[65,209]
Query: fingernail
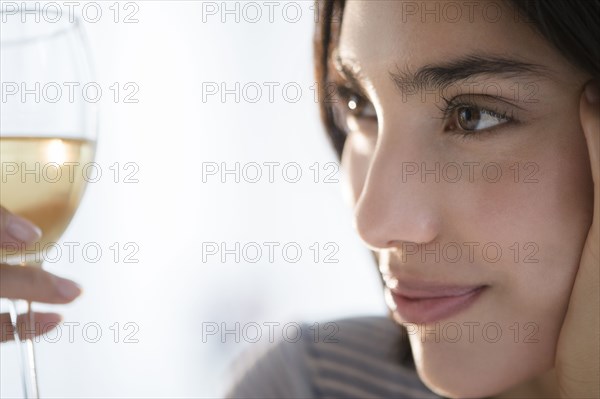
[67,288]
[592,93]
[22,229]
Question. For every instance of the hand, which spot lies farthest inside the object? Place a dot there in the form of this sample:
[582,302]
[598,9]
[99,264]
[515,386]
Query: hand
[29,283]
[578,350]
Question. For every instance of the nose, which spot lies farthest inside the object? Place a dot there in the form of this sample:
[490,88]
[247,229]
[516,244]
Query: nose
[392,208]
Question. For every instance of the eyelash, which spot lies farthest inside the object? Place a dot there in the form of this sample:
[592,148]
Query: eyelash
[452,105]
[448,111]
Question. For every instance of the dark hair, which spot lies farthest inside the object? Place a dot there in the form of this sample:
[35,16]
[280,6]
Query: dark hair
[570,25]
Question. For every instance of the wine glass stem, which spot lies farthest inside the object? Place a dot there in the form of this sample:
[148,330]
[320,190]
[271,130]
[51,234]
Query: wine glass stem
[25,347]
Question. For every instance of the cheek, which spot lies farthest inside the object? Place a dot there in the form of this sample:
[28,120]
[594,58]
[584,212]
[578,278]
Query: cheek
[551,202]
[554,213]
[540,219]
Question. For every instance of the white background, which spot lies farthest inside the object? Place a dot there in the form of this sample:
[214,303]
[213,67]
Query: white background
[170,212]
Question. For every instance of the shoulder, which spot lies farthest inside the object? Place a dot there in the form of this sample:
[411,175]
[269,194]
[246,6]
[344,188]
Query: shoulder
[356,357]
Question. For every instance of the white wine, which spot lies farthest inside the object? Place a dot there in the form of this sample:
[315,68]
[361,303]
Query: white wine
[42,179]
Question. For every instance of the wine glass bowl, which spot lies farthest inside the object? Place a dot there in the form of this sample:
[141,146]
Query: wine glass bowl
[43,181]
[48,129]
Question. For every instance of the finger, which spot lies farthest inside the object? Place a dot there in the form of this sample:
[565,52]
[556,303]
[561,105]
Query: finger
[16,230]
[590,122]
[583,362]
[42,323]
[35,284]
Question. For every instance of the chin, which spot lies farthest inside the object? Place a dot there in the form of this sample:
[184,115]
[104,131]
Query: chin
[460,372]
[471,389]
[457,381]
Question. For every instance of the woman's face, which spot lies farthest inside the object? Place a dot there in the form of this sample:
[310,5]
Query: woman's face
[470,178]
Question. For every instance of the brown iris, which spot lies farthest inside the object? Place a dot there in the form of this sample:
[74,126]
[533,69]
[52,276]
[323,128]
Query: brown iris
[468,118]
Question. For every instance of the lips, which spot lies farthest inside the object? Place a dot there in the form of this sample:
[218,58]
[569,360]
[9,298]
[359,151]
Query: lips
[422,302]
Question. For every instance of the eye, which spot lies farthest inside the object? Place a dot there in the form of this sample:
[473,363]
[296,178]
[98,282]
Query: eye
[355,103]
[472,119]
[469,118]
[360,107]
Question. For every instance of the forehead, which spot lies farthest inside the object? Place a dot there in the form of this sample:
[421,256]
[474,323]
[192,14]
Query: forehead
[380,34]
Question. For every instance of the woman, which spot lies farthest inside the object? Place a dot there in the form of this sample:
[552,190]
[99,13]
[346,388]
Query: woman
[470,133]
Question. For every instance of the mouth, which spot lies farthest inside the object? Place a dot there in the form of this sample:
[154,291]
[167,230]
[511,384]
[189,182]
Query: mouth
[421,303]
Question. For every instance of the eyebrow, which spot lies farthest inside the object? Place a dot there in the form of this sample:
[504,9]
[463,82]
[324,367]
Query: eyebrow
[441,76]
[350,70]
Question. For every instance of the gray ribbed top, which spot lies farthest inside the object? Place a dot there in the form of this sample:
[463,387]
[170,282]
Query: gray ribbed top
[350,358]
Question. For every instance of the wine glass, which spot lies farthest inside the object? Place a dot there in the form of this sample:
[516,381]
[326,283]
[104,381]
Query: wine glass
[48,128]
